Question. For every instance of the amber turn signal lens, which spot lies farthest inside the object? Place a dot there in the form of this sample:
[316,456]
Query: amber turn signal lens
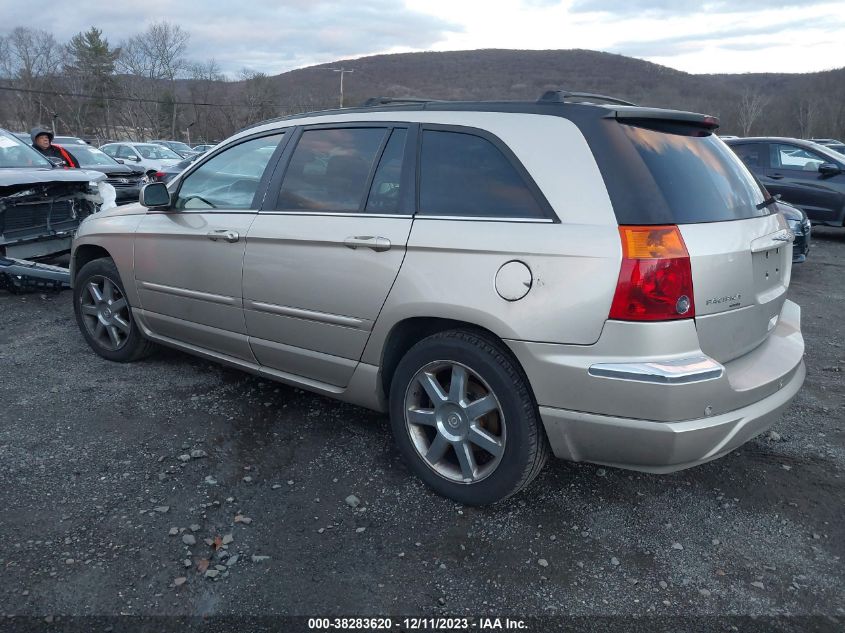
[652,242]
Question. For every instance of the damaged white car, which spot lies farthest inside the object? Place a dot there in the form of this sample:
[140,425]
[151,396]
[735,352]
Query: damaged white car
[42,204]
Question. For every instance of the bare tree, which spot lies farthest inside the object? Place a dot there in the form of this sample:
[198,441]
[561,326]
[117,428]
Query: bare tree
[5,58]
[831,116]
[156,55]
[136,82]
[167,43]
[751,106]
[206,80]
[32,55]
[257,94]
[807,113]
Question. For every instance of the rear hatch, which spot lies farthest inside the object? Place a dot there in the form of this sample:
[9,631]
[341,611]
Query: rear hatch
[665,168]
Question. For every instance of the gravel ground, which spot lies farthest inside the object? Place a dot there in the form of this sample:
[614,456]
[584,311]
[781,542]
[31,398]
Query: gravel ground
[120,484]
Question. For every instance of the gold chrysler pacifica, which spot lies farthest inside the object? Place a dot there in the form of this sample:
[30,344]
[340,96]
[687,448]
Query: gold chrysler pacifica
[575,275]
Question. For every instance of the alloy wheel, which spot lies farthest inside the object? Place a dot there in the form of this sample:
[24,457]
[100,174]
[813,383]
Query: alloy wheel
[455,422]
[105,312]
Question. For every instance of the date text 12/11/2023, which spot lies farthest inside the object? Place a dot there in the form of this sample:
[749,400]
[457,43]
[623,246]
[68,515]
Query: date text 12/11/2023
[444,625]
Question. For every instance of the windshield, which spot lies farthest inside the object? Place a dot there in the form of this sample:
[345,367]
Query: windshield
[179,147]
[157,152]
[15,153]
[89,156]
[677,175]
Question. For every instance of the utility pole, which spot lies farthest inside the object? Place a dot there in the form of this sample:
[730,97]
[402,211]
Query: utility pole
[342,72]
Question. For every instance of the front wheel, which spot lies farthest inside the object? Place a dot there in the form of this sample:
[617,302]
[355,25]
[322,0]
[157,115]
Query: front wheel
[464,418]
[104,315]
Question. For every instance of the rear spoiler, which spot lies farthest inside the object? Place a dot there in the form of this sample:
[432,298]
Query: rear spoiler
[657,115]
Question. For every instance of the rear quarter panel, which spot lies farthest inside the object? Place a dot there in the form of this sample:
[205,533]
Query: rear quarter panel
[450,271]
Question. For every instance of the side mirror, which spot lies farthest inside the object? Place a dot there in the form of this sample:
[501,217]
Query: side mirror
[120,160]
[829,169]
[155,195]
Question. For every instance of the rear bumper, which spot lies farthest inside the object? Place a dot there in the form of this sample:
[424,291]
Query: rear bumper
[646,397]
[662,447]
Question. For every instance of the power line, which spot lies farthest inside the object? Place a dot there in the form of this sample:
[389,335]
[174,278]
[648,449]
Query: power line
[59,93]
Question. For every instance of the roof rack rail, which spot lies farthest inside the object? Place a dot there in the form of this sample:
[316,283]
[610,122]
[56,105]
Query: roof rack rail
[561,96]
[376,101]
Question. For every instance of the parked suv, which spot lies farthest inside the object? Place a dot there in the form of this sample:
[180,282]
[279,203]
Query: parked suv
[805,174]
[602,281]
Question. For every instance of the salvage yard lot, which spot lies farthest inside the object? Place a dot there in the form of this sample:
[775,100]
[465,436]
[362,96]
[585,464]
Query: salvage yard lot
[96,471]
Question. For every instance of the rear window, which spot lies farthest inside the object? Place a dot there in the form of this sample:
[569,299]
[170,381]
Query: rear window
[675,175]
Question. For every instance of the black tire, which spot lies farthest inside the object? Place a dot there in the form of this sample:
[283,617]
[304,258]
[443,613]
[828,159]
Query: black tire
[131,344]
[526,447]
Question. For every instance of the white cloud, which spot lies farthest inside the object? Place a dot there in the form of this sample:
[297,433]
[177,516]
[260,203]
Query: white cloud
[694,36]
[711,36]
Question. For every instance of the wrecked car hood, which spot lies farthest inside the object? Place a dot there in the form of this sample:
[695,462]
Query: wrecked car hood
[13,176]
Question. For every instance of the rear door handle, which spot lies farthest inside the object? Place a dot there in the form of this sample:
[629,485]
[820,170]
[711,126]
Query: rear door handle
[776,176]
[223,235]
[376,243]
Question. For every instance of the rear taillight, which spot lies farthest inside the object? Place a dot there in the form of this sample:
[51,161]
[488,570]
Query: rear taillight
[160,175]
[655,281]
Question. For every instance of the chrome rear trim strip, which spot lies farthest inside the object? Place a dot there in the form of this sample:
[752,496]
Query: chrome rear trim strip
[671,372]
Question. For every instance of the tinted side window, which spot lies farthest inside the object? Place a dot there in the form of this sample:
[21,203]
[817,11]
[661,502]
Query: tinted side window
[386,188]
[229,180]
[330,169]
[793,157]
[111,150]
[466,175]
[752,154]
[125,152]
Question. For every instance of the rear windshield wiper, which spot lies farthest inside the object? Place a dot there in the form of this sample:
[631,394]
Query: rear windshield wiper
[767,202]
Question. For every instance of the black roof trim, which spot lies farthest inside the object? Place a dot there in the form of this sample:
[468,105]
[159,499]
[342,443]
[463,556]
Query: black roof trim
[561,96]
[377,101]
[552,108]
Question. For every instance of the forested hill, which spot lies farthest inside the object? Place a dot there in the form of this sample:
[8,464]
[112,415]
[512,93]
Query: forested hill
[88,88]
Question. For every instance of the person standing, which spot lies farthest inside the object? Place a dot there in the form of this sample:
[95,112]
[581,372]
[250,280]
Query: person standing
[42,141]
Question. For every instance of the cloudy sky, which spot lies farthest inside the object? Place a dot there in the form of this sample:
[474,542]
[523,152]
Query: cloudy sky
[698,36]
